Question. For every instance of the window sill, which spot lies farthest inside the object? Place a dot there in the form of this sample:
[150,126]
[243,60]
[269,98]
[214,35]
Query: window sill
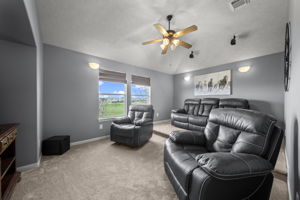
[108,119]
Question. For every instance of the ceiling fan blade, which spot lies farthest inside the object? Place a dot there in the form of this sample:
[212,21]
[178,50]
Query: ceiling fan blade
[185,31]
[164,51]
[184,44]
[161,29]
[152,41]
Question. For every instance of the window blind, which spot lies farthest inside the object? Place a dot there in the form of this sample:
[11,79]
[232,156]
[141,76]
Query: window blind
[105,75]
[139,80]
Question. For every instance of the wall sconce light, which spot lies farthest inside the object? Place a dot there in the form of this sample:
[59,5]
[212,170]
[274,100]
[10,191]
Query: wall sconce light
[187,78]
[244,68]
[93,65]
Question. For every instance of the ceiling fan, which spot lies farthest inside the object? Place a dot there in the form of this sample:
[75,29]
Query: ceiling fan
[170,36]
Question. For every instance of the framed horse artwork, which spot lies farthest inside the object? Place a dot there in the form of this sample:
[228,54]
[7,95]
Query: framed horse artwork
[218,83]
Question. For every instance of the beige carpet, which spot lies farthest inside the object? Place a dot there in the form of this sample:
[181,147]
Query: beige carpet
[103,170]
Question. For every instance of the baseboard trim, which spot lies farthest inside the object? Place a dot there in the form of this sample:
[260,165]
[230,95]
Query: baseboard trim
[89,140]
[162,121]
[30,166]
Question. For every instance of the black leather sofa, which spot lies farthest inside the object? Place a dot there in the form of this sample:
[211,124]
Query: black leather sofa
[194,114]
[135,129]
[232,158]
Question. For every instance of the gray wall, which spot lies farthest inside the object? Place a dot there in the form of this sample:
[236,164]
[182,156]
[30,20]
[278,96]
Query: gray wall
[262,85]
[18,96]
[14,22]
[71,93]
[292,108]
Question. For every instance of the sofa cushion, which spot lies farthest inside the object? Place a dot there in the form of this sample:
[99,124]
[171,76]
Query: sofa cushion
[207,105]
[239,131]
[180,117]
[191,106]
[234,103]
[180,124]
[198,120]
[181,161]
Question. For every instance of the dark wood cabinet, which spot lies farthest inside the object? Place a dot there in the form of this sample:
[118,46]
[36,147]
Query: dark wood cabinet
[9,175]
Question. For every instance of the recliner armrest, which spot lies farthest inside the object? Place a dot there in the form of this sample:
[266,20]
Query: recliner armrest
[188,137]
[233,165]
[122,120]
[144,122]
[180,110]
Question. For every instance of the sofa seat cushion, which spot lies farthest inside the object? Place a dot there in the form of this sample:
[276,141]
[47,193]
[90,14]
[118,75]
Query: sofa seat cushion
[198,120]
[180,159]
[125,130]
[180,117]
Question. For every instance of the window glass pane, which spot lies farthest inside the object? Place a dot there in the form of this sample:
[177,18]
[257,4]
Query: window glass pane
[111,99]
[140,99]
[111,87]
[140,90]
[111,106]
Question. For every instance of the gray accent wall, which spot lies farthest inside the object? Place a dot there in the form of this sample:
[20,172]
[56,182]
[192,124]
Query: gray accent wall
[71,93]
[292,106]
[18,96]
[262,85]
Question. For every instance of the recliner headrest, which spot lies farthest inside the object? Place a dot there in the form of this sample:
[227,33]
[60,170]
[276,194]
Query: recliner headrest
[244,120]
[141,108]
[210,101]
[234,103]
[192,101]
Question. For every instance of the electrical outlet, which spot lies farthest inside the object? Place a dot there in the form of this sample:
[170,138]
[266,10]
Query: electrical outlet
[100,126]
[157,114]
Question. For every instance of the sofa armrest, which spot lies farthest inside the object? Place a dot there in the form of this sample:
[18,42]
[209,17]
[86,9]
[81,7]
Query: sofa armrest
[233,165]
[180,110]
[188,137]
[144,122]
[122,120]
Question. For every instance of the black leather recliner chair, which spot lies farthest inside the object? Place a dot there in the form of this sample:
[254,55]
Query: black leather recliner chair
[232,158]
[136,128]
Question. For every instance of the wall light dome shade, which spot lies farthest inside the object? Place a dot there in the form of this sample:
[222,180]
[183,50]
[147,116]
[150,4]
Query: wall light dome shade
[244,68]
[93,65]
[187,78]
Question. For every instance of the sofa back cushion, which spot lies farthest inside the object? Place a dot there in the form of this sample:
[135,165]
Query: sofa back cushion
[191,106]
[234,103]
[239,131]
[137,112]
[207,105]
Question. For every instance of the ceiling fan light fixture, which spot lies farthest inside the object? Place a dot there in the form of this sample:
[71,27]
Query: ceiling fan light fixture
[173,46]
[175,42]
[166,41]
[170,36]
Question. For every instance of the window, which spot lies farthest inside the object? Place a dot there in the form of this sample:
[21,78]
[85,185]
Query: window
[112,94]
[140,90]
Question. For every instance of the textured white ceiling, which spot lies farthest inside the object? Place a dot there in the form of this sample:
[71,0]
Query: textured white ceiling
[115,29]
